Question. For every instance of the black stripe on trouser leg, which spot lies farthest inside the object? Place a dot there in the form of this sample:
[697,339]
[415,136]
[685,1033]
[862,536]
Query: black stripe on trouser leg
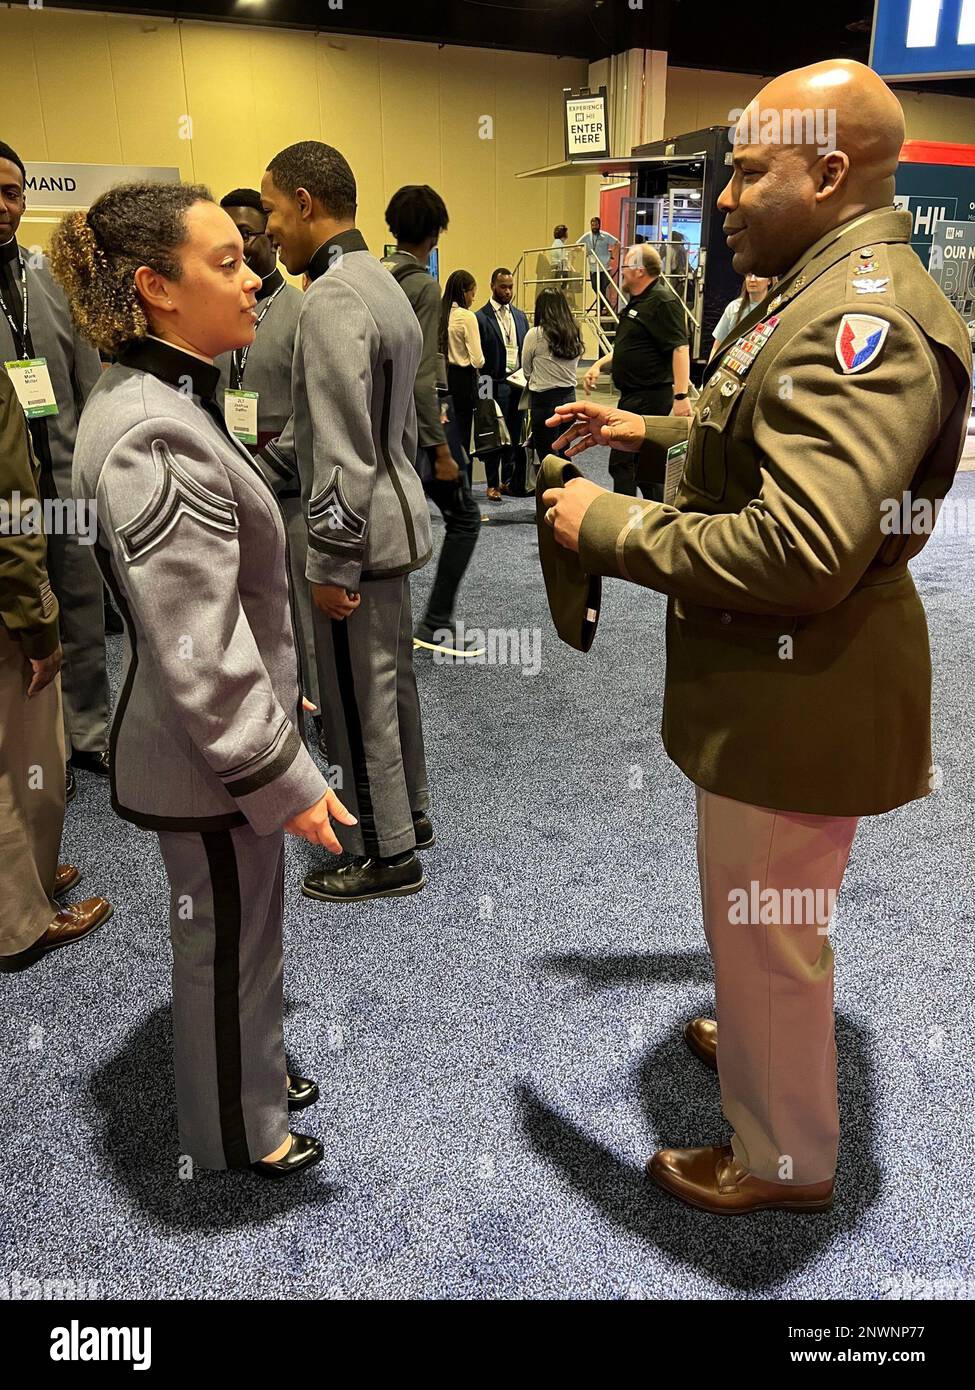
[225,882]
[353,728]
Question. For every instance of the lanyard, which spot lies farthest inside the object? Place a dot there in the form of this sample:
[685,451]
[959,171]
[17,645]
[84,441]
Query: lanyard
[19,334]
[506,328]
[238,359]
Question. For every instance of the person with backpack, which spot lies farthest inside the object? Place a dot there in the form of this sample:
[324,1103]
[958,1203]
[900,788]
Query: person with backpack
[416,216]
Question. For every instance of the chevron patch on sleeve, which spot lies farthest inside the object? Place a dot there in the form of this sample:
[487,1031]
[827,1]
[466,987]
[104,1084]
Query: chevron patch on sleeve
[329,513]
[176,494]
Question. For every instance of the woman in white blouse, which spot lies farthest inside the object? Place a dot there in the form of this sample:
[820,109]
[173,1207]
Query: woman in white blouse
[460,343]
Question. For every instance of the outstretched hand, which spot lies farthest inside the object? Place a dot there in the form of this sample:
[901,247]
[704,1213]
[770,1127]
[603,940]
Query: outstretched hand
[315,826]
[588,425]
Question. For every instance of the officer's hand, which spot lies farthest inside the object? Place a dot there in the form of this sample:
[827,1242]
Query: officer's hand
[566,507]
[45,669]
[590,379]
[588,425]
[334,600]
[314,825]
[445,468]
[681,408]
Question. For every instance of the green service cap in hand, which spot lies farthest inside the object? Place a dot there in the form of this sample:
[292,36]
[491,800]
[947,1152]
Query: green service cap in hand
[573,595]
[663,432]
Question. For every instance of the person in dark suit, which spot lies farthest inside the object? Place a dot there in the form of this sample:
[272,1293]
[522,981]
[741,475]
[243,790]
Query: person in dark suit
[503,327]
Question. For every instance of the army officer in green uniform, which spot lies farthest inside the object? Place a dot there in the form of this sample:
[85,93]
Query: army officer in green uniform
[798,680]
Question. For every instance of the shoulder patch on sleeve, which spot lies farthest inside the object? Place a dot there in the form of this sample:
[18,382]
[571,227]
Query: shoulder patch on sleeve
[859,341]
[176,494]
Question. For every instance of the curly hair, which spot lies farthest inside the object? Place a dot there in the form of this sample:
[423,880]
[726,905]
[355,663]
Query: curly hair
[94,256]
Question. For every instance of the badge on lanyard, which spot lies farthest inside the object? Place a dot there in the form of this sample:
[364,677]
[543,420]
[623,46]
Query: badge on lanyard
[31,380]
[676,458]
[240,413]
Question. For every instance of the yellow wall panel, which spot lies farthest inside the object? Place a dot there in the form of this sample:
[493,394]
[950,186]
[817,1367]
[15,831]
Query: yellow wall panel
[21,118]
[350,108]
[411,117]
[285,77]
[76,86]
[467,93]
[220,102]
[150,98]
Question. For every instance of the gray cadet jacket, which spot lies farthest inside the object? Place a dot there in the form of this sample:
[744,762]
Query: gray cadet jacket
[267,366]
[356,355]
[192,545]
[73,363]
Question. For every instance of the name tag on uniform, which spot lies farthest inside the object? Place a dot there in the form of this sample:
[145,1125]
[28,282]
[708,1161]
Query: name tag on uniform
[32,382]
[511,356]
[676,457]
[631,314]
[240,413]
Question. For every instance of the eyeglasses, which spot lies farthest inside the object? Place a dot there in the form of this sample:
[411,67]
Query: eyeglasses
[247,236]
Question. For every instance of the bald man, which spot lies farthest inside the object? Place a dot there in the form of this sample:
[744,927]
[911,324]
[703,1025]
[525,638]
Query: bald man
[798,683]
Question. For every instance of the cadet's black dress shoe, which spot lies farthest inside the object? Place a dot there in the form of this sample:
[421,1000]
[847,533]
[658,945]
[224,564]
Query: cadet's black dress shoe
[366,878]
[94,762]
[423,830]
[70,785]
[304,1153]
[302,1093]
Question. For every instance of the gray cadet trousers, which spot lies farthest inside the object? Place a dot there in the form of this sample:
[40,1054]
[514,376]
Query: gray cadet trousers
[371,716]
[226,914]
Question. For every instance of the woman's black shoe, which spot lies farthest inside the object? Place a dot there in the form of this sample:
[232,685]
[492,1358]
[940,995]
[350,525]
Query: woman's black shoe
[304,1153]
[302,1093]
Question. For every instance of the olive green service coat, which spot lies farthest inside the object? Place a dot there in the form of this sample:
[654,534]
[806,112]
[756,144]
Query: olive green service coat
[798,663]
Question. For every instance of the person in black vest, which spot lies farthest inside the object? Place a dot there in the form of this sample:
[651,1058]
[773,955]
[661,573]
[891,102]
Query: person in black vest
[416,216]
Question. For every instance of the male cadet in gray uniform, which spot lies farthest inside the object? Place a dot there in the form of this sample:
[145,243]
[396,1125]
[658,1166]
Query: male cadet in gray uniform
[35,323]
[798,683]
[31,732]
[356,356]
[255,391]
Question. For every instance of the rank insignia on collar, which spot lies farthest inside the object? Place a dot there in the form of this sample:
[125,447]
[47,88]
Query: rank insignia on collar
[866,286]
[775,303]
[859,340]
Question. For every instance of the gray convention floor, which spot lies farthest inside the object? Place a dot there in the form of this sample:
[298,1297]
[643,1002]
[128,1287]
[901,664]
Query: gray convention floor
[499,1054]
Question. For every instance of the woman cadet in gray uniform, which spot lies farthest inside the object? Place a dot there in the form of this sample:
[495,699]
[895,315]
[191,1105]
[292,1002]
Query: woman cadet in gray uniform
[205,743]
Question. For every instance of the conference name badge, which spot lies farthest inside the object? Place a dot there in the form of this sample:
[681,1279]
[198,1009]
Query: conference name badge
[511,357]
[32,382]
[240,413]
[676,458]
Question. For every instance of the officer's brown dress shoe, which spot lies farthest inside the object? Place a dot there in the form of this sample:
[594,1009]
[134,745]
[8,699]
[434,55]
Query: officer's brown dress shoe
[66,878]
[493,494]
[713,1180]
[701,1036]
[74,922]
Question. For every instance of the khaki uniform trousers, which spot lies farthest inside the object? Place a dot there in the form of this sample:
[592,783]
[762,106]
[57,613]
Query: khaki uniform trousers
[31,799]
[773,979]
